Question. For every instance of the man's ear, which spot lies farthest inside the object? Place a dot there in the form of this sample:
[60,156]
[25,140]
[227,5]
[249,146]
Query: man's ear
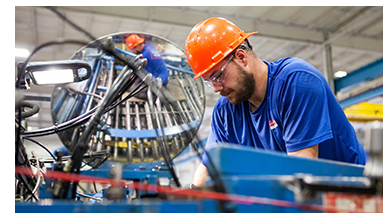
[241,57]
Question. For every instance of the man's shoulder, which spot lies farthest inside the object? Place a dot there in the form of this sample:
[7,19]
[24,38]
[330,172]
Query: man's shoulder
[292,63]
[283,68]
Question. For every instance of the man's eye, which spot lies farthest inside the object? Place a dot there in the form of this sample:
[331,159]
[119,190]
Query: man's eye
[216,76]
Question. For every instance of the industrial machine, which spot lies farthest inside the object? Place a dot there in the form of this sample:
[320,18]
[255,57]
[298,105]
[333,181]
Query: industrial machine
[100,119]
[120,150]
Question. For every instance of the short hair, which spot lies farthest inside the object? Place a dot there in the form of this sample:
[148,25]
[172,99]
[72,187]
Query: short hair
[247,47]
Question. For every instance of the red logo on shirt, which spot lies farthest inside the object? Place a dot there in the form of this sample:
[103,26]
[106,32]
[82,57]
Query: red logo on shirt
[273,124]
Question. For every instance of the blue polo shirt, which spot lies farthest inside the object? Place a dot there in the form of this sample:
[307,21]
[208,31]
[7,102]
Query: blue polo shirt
[299,111]
[156,65]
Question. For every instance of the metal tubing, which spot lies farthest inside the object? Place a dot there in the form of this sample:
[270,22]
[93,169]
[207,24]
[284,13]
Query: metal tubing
[116,117]
[138,128]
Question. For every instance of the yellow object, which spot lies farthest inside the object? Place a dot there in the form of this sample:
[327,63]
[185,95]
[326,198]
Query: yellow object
[122,144]
[364,112]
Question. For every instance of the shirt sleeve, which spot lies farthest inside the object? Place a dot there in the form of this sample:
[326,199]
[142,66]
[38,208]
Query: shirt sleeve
[305,112]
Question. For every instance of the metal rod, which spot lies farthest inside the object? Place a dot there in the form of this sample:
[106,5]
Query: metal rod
[116,117]
[138,124]
[189,98]
[129,152]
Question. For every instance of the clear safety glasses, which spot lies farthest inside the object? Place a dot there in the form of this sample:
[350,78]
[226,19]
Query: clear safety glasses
[218,77]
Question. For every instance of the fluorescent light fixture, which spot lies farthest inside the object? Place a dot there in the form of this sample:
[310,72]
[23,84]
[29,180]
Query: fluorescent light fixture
[340,74]
[19,52]
[54,76]
[58,72]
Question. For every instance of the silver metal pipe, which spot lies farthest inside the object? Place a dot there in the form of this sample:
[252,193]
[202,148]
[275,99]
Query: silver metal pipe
[138,128]
[189,98]
[128,125]
[117,114]
[195,93]
[167,117]
[148,116]
[129,152]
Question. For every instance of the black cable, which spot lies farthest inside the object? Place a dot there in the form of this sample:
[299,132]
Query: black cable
[34,109]
[82,144]
[41,145]
[71,23]
[81,119]
[18,132]
[110,97]
[107,47]
[21,76]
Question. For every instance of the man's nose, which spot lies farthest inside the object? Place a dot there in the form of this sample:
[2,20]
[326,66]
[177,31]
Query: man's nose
[217,87]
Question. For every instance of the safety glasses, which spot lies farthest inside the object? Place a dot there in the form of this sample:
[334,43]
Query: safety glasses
[218,77]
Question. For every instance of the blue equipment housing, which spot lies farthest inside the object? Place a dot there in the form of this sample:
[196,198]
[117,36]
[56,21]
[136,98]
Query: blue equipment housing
[247,172]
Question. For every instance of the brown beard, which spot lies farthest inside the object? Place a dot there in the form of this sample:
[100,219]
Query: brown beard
[246,90]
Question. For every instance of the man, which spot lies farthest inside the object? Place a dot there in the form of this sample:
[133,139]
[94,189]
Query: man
[286,105]
[155,65]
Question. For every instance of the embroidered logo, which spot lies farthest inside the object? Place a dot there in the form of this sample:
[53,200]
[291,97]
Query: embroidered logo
[273,124]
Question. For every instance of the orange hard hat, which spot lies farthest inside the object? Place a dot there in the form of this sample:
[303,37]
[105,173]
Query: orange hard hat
[210,41]
[133,40]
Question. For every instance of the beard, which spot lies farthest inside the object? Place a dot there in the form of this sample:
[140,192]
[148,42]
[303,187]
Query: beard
[246,84]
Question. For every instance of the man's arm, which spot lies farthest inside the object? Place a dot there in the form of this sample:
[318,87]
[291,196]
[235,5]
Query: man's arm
[200,175]
[311,152]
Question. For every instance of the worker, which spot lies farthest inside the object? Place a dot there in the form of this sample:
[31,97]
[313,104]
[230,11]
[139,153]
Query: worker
[285,106]
[155,64]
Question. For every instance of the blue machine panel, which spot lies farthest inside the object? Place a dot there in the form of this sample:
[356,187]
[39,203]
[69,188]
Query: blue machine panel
[230,159]
[258,179]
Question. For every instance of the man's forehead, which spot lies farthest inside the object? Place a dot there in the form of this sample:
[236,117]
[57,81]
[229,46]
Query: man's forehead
[210,72]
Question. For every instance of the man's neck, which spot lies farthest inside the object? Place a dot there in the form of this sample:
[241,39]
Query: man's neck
[260,76]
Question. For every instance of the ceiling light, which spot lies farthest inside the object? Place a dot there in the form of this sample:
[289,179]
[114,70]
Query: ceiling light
[340,74]
[19,52]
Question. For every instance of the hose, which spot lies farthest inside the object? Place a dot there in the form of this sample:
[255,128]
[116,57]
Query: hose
[34,109]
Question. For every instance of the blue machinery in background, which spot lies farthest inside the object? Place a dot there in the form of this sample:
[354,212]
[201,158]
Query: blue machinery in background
[363,75]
